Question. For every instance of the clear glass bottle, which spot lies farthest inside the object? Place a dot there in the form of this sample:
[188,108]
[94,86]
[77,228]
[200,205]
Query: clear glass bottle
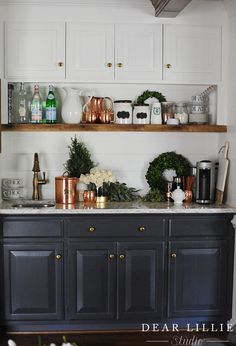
[51,107]
[36,107]
[22,111]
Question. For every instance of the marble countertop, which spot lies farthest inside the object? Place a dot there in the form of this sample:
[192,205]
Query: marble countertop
[6,208]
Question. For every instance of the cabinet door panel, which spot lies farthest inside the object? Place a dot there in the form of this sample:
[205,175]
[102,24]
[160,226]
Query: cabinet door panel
[139,49]
[194,53]
[35,50]
[140,280]
[198,278]
[33,281]
[90,48]
[91,280]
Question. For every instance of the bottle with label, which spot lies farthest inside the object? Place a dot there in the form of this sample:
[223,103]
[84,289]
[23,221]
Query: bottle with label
[36,107]
[22,112]
[51,110]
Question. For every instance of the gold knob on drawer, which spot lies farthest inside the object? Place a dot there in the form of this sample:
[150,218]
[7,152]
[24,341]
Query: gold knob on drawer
[58,257]
[141,229]
[60,64]
[119,64]
[109,64]
[173,255]
[92,229]
[168,66]
[122,257]
[111,256]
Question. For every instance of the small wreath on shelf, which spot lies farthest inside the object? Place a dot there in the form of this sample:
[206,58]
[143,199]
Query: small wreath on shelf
[149,94]
[165,161]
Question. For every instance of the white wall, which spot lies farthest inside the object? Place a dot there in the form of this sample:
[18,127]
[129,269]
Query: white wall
[128,154]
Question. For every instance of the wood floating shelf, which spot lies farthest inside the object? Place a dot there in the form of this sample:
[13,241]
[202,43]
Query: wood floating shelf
[112,128]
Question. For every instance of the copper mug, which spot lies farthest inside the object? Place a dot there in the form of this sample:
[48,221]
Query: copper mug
[65,188]
[97,110]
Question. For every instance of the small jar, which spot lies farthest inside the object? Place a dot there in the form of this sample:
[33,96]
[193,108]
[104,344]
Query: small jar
[181,112]
[141,114]
[167,111]
[123,111]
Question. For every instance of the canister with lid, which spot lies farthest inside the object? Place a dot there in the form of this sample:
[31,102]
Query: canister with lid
[141,114]
[123,111]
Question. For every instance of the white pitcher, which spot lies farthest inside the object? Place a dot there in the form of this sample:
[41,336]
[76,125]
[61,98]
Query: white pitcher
[71,110]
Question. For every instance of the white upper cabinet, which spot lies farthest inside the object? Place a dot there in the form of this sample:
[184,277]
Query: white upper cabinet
[90,51]
[35,50]
[192,53]
[138,52]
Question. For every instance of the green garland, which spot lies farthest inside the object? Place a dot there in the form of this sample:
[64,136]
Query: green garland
[168,160]
[149,94]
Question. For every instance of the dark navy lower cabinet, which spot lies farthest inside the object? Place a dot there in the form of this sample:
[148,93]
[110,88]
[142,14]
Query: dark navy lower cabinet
[92,280]
[198,278]
[115,271]
[33,281]
[141,269]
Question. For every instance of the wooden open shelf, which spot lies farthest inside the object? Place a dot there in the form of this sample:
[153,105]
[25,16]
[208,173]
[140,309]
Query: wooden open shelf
[112,128]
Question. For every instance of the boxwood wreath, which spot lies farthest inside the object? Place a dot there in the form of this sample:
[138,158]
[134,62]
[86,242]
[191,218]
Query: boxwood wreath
[168,160]
[149,94]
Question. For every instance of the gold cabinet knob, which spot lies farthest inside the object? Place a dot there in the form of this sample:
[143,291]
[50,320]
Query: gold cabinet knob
[92,229]
[111,256]
[119,64]
[60,64]
[109,64]
[58,257]
[141,229]
[173,255]
[122,257]
[168,66]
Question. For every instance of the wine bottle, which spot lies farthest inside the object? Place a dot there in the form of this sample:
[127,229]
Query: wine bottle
[22,114]
[36,107]
[51,109]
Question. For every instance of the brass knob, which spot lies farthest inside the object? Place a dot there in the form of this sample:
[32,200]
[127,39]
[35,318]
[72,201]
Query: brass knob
[60,64]
[173,255]
[111,256]
[122,257]
[92,229]
[168,66]
[109,64]
[119,64]
[58,257]
[141,229]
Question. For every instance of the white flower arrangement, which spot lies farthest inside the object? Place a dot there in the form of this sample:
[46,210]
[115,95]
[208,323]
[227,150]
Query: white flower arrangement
[98,177]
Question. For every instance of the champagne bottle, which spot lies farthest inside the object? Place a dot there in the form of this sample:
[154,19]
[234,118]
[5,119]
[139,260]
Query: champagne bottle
[22,114]
[36,107]
[51,110]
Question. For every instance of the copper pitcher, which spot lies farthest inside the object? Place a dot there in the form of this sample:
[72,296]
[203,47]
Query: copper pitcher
[65,189]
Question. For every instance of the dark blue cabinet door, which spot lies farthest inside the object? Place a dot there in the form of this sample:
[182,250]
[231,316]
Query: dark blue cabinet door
[92,280]
[198,278]
[33,281]
[141,281]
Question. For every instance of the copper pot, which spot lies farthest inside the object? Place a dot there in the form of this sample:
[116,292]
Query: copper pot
[65,189]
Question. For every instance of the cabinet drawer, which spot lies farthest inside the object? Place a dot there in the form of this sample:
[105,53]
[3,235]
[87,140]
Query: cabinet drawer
[199,226]
[125,226]
[32,227]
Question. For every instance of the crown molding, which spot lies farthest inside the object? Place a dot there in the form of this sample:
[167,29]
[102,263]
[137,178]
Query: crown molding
[107,3]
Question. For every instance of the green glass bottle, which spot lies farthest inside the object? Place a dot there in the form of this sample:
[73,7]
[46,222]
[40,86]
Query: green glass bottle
[51,108]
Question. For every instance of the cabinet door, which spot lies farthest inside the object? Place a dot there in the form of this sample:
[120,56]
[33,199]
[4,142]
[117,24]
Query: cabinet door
[33,281]
[192,53]
[35,50]
[138,52]
[141,282]
[92,280]
[198,278]
[90,51]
